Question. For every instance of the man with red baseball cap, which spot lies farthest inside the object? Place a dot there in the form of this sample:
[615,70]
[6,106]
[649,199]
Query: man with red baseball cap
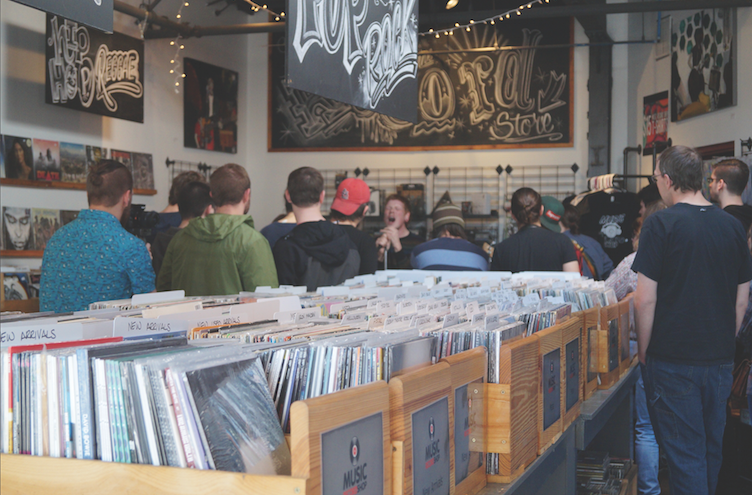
[349,207]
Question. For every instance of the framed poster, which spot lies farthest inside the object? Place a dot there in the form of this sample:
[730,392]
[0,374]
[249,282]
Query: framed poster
[210,107]
[466,99]
[654,121]
[361,53]
[703,63]
[92,71]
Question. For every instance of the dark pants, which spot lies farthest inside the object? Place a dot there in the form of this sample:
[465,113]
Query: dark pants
[687,406]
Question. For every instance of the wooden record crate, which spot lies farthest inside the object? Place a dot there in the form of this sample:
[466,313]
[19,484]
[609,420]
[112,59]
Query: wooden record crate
[608,347]
[32,475]
[572,373]
[468,370]
[512,409]
[410,394]
[624,356]
[549,386]
[591,321]
[314,419]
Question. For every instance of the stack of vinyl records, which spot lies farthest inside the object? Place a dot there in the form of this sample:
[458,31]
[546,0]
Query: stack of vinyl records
[592,472]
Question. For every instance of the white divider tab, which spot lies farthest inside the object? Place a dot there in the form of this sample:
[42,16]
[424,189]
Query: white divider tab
[450,320]
[157,297]
[400,297]
[376,322]
[373,303]
[491,308]
[473,292]
[425,294]
[353,318]
[444,304]
[492,322]
[457,306]
[421,306]
[172,309]
[387,307]
[460,294]
[530,299]
[478,318]
[406,306]
[41,334]
[334,291]
[297,316]
[136,327]
[472,308]
[485,291]
[421,320]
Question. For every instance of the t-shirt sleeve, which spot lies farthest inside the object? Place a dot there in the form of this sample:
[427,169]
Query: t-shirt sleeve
[138,268]
[745,272]
[567,250]
[368,255]
[497,261]
[649,257]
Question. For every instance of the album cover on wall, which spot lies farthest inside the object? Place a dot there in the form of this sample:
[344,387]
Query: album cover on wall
[46,160]
[19,161]
[210,107]
[123,157]
[17,228]
[46,223]
[94,154]
[67,216]
[73,162]
[143,171]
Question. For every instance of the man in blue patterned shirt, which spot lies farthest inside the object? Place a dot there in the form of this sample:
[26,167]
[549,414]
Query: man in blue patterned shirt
[94,258]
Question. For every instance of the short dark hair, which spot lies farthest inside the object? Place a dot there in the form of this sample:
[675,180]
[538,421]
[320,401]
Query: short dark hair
[453,229]
[684,165]
[181,180]
[526,205]
[341,217]
[571,219]
[735,173]
[106,183]
[193,199]
[228,184]
[649,194]
[305,185]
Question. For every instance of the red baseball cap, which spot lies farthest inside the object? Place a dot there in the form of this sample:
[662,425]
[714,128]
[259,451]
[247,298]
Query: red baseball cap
[351,193]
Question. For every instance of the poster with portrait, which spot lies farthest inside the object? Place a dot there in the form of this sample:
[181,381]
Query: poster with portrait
[17,223]
[143,171]
[73,162]
[210,107]
[654,122]
[46,223]
[703,63]
[46,160]
[92,71]
[19,161]
[94,154]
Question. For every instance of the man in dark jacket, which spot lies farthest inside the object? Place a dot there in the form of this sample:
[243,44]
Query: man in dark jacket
[316,253]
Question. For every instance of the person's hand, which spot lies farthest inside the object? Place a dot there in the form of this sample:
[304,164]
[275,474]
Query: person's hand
[148,248]
[392,235]
[382,244]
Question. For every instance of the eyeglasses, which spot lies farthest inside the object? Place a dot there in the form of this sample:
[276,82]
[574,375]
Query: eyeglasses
[655,177]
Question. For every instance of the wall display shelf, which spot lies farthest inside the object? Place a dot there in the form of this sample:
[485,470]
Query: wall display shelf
[10,253]
[62,185]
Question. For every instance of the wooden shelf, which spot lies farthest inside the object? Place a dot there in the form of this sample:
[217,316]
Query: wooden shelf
[12,253]
[23,305]
[62,185]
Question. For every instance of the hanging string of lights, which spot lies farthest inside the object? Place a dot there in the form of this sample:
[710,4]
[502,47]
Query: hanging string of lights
[176,62]
[255,7]
[490,20]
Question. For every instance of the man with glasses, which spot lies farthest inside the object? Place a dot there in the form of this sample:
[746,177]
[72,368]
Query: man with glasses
[727,183]
[693,271]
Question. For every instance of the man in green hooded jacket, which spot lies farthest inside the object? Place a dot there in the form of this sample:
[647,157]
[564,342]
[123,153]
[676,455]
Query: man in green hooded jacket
[222,253]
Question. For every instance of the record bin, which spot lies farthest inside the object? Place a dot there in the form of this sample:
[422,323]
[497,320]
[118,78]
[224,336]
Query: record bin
[550,384]
[591,322]
[608,347]
[572,373]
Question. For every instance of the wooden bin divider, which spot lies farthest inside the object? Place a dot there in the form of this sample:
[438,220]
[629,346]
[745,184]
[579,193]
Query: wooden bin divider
[624,355]
[409,394]
[512,432]
[591,321]
[311,419]
[608,347]
[572,373]
[549,386]
[468,370]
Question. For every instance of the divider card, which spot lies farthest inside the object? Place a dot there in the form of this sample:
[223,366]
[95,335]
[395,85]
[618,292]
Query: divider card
[613,344]
[352,458]
[551,376]
[573,373]
[431,449]
[465,462]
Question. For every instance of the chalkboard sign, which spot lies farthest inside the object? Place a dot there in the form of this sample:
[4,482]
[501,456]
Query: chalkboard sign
[92,71]
[466,99]
[360,52]
[94,13]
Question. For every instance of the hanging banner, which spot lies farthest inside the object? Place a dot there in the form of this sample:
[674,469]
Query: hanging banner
[94,13]
[519,97]
[92,71]
[360,52]
[654,122]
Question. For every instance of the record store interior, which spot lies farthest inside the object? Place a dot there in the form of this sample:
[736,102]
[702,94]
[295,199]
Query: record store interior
[419,247]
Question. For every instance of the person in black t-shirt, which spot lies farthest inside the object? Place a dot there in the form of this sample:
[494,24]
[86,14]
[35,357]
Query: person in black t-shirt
[533,248]
[727,183]
[693,271]
[396,243]
[349,207]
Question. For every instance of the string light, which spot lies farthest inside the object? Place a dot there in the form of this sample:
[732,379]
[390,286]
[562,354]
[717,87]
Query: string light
[176,60]
[472,23]
[256,7]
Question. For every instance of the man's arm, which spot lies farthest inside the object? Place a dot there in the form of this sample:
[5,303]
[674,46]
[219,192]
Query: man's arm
[571,266]
[645,298]
[742,299]
[164,277]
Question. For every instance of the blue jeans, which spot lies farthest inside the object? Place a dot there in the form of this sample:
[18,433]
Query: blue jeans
[687,405]
[646,447]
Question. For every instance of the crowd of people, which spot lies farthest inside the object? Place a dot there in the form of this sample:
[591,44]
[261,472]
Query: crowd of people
[690,271]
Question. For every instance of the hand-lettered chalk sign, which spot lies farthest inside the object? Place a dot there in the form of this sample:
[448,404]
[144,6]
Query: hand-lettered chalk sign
[94,13]
[519,95]
[361,52]
[92,71]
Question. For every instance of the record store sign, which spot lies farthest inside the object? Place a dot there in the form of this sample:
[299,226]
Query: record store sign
[431,449]
[92,71]
[352,458]
[361,52]
[94,13]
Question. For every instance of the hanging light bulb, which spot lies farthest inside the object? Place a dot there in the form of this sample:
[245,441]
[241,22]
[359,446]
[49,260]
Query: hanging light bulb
[492,22]
[451,4]
[172,43]
[467,29]
[178,16]
[182,47]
